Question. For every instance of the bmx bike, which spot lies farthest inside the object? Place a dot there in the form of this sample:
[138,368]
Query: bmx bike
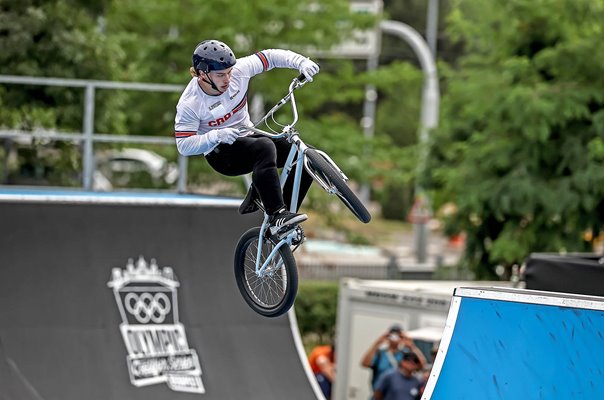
[265,268]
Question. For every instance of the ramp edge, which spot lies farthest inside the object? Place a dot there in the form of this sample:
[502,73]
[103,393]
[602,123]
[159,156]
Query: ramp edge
[293,324]
[119,199]
[443,347]
[533,297]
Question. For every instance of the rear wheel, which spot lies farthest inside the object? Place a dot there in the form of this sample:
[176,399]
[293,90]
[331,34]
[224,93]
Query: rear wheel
[337,185]
[273,293]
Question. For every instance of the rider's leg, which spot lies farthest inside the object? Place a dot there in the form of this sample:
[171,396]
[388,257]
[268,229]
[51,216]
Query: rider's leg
[259,156]
[265,176]
[266,181]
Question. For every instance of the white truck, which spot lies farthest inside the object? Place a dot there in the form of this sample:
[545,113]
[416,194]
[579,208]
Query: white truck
[367,308]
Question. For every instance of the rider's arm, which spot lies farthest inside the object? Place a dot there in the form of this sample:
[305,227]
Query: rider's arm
[192,144]
[278,58]
[188,142]
[266,60]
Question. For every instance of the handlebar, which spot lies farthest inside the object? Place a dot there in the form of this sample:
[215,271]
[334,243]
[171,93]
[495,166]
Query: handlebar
[295,84]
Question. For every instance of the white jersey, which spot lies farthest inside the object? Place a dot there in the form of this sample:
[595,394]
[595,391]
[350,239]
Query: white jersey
[197,112]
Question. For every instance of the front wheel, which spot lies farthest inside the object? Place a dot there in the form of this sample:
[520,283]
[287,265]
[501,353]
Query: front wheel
[273,293]
[326,172]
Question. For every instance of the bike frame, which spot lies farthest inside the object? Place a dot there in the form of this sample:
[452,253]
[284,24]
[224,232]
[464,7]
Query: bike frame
[296,159]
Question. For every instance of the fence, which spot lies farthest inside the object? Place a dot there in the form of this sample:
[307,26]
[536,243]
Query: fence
[88,137]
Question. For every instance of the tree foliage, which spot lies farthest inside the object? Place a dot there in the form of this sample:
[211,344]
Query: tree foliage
[58,38]
[316,307]
[160,37]
[331,106]
[55,39]
[521,147]
[142,41]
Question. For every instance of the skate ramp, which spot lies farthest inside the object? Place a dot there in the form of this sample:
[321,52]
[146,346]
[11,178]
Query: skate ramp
[520,344]
[133,297]
[13,383]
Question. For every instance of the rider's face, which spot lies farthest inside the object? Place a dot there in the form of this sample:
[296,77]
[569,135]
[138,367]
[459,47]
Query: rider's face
[221,78]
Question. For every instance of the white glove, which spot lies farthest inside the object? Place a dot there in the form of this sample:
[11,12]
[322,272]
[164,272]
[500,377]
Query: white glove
[308,68]
[224,135]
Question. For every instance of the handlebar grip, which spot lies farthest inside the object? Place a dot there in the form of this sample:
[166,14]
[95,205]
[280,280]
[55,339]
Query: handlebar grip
[301,78]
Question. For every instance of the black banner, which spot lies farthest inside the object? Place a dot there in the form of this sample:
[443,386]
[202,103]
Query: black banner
[569,273]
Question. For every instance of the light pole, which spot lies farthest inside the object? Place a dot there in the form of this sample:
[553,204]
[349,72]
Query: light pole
[432,25]
[428,117]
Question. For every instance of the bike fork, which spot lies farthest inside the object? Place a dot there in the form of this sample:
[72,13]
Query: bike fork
[260,270]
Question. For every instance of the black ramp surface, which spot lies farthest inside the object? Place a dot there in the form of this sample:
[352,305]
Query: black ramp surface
[14,385]
[60,321]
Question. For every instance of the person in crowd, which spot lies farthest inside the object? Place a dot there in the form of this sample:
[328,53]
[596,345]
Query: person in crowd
[427,369]
[387,352]
[401,383]
[322,363]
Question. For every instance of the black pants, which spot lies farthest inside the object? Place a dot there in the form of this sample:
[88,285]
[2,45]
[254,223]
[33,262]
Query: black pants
[261,156]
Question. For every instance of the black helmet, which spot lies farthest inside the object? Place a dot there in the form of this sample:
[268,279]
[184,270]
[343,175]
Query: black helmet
[212,55]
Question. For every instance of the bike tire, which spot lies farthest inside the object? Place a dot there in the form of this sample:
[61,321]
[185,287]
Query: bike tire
[327,171]
[271,295]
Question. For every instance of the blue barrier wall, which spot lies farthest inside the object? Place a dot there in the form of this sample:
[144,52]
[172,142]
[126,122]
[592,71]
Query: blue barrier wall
[507,344]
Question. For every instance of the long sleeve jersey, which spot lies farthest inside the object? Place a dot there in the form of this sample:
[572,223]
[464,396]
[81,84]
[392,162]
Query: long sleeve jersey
[197,112]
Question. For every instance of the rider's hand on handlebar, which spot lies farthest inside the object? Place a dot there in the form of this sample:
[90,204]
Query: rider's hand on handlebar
[224,135]
[308,68]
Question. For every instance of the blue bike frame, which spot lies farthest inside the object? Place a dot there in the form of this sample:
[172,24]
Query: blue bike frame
[296,157]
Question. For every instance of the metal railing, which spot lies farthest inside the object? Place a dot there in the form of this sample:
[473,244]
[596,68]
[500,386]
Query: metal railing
[88,137]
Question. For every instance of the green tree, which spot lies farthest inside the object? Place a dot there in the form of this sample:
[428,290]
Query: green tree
[152,42]
[331,106]
[159,38]
[520,150]
[399,85]
[316,306]
[55,39]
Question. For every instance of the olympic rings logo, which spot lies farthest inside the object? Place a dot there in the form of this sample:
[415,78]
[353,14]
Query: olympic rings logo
[148,307]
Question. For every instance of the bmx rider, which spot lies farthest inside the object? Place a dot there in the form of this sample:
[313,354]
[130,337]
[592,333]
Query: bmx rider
[214,105]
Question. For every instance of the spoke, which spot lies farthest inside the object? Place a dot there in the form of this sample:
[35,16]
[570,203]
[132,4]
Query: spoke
[268,290]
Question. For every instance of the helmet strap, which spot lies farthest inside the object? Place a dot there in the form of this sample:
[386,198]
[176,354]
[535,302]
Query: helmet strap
[210,82]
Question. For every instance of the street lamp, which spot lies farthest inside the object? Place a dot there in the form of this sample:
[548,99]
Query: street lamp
[428,118]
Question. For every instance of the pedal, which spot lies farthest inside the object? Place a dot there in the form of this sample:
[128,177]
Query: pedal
[299,238]
[283,231]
